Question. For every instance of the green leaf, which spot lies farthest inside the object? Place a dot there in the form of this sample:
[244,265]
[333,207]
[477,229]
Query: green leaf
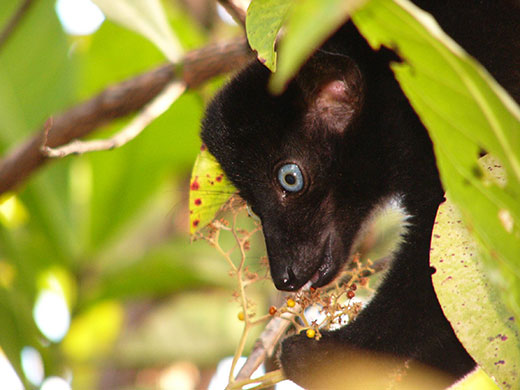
[477,380]
[484,326]
[465,111]
[209,190]
[148,19]
[263,22]
[309,24]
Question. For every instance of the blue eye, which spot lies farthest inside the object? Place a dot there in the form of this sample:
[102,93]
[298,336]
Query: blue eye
[290,177]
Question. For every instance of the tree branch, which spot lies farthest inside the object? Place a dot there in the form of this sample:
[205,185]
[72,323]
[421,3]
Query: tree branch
[118,101]
[265,345]
[14,21]
[149,113]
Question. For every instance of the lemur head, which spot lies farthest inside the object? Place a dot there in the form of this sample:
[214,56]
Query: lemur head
[305,162]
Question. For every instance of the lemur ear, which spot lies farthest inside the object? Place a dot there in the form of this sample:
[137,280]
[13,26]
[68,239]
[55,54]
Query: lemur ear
[333,90]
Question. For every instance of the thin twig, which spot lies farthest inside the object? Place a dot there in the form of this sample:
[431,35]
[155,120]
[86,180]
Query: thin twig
[265,344]
[378,266]
[267,380]
[14,22]
[118,101]
[240,282]
[151,111]
[237,9]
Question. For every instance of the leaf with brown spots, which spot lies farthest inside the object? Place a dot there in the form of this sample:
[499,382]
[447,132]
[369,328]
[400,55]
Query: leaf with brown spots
[472,304]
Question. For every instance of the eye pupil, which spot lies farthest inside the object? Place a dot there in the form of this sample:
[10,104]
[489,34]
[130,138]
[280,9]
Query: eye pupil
[290,177]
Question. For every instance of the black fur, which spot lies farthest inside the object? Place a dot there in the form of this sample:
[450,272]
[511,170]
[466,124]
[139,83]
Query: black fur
[358,143]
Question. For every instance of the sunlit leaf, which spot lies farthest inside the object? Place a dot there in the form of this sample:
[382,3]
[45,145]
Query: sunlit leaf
[473,306]
[477,380]
[263,22]
[12,211]
[59,280]
[93,333]
[147,18]
[309,23]
[209,190]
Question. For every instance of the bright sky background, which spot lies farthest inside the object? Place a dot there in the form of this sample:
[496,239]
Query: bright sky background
[79,17]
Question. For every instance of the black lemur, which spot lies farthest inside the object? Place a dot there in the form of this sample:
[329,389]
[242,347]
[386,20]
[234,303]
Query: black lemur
[342,141]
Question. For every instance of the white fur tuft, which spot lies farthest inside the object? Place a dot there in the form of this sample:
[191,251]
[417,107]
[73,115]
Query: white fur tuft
[384,230]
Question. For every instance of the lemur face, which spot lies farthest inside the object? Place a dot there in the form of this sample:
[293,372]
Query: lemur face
[302,163]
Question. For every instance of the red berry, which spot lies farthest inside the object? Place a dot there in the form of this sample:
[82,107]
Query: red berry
[272,310]
[353,287]
[351,294]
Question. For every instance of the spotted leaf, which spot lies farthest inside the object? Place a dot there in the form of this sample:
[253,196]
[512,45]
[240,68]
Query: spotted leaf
[473,304]
[209,190]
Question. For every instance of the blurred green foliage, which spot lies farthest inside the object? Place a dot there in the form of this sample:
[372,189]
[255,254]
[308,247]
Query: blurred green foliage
[109,230]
